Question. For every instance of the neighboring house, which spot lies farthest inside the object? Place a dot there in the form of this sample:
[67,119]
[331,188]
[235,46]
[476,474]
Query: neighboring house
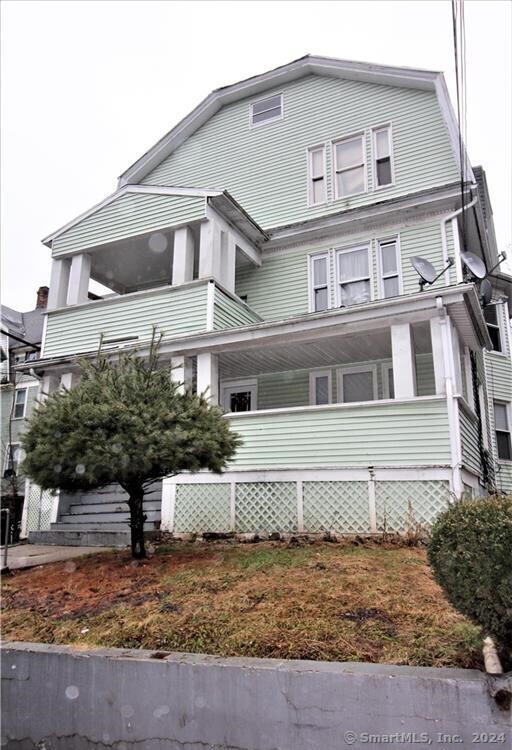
[269,235]
[20,341]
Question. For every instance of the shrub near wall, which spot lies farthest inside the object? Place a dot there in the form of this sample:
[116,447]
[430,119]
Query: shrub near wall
[471,554]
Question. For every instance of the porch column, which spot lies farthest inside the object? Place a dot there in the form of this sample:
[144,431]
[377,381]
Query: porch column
[209,251]
[208,376]
[59,282]
[68,380]
[79,279]
[181,372]
[183,256]
[49,384]
[228,261]
[438,356]
[404,370]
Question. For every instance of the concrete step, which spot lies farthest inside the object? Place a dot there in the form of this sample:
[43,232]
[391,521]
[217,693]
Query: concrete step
[97,526]
[85,538]
[105,518]
[74,509]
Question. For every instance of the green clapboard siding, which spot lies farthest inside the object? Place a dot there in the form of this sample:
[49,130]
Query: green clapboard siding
[265,168]
[129,215]
[378,435]
[469,440]
[175,312]
[498,368]
[229,313]
[279,288]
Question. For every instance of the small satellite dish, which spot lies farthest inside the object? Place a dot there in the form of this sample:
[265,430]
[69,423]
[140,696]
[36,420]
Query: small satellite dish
[426,270]
[475,265]
[485,292]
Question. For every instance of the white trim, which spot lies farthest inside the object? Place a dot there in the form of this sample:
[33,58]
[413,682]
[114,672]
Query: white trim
[313,375]
[354,370]
[372,505]
[451,403]
[333,143]
[371,280]
[383,473]
[508,416]
[232,505]
[380,274]
[311,286]
[310,202]
[271,119]
[168,504]
[386,367]
[55,507]
[228,387]
[210,305]
[389,128]
[19,389]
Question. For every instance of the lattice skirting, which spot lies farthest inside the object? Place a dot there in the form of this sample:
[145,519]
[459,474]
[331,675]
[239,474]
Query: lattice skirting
[343,506]
[39,504]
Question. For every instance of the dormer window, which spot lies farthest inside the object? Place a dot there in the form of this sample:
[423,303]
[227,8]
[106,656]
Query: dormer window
[267,110]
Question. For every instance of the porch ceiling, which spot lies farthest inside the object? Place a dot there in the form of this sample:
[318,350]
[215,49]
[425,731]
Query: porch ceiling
[327,352]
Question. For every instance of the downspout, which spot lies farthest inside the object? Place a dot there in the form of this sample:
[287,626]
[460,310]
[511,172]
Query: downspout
[458,263]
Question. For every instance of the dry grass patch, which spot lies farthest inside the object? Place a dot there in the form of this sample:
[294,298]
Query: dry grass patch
[319,601]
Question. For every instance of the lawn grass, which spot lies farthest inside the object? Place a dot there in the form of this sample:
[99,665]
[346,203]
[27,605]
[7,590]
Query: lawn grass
[318,601]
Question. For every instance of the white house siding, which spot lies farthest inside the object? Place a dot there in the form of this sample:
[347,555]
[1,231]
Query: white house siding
[130,215]
[175,310]
[265,168]
[279,289]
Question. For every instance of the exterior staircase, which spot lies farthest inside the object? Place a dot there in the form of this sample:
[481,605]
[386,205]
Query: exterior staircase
[98,519]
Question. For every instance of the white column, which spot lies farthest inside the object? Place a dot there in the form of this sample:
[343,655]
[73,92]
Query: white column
[183,256]
[59,282]
[452,403]
[208,376]
[228,261]
[209,251]
[438,356]
[404,370]
[49,384]
[67,380]
[181,371]
[79,279]
[168,504]
[455,346]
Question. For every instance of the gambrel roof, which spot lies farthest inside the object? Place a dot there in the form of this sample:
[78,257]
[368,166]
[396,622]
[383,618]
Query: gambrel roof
[425,80]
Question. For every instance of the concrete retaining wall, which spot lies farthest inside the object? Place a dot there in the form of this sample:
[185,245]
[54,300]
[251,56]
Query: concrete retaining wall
[62,698]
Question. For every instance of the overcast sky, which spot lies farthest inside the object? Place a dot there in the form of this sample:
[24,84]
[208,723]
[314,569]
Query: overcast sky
[87,87]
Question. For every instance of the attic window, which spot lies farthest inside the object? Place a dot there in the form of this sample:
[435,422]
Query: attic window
[267,110]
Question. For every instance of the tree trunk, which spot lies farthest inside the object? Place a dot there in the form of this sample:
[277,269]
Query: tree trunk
[137,518]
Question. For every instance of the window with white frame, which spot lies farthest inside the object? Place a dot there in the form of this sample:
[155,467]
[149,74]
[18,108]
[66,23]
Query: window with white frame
[357,384]
[502,430]
[20,403]
[320,388]
[12,459]
[382,164]
[388,383]
[349,166]
[319,282]
[354,277]
[317,192]
[491,315]
[267,110]
[389,268]
[239,396]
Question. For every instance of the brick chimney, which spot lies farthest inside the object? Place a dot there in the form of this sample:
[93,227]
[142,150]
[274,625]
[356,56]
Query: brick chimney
[42,297]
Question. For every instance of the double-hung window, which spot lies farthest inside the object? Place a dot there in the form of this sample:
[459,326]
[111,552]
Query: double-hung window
[319,282]
[354,278]
[349,166]
[382,164]
[20,403]
[320,387]
[493,326]
[502,430]
[317,192]
[267,110]
[388,266]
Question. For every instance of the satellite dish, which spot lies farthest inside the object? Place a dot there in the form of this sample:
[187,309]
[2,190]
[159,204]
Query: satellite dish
[426,270]
[485,292]
[475,265]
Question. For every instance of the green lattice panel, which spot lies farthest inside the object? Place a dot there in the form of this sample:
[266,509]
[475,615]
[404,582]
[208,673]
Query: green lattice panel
[400,505]
[39,508]
[266,506]
[202,507]
[336,506]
